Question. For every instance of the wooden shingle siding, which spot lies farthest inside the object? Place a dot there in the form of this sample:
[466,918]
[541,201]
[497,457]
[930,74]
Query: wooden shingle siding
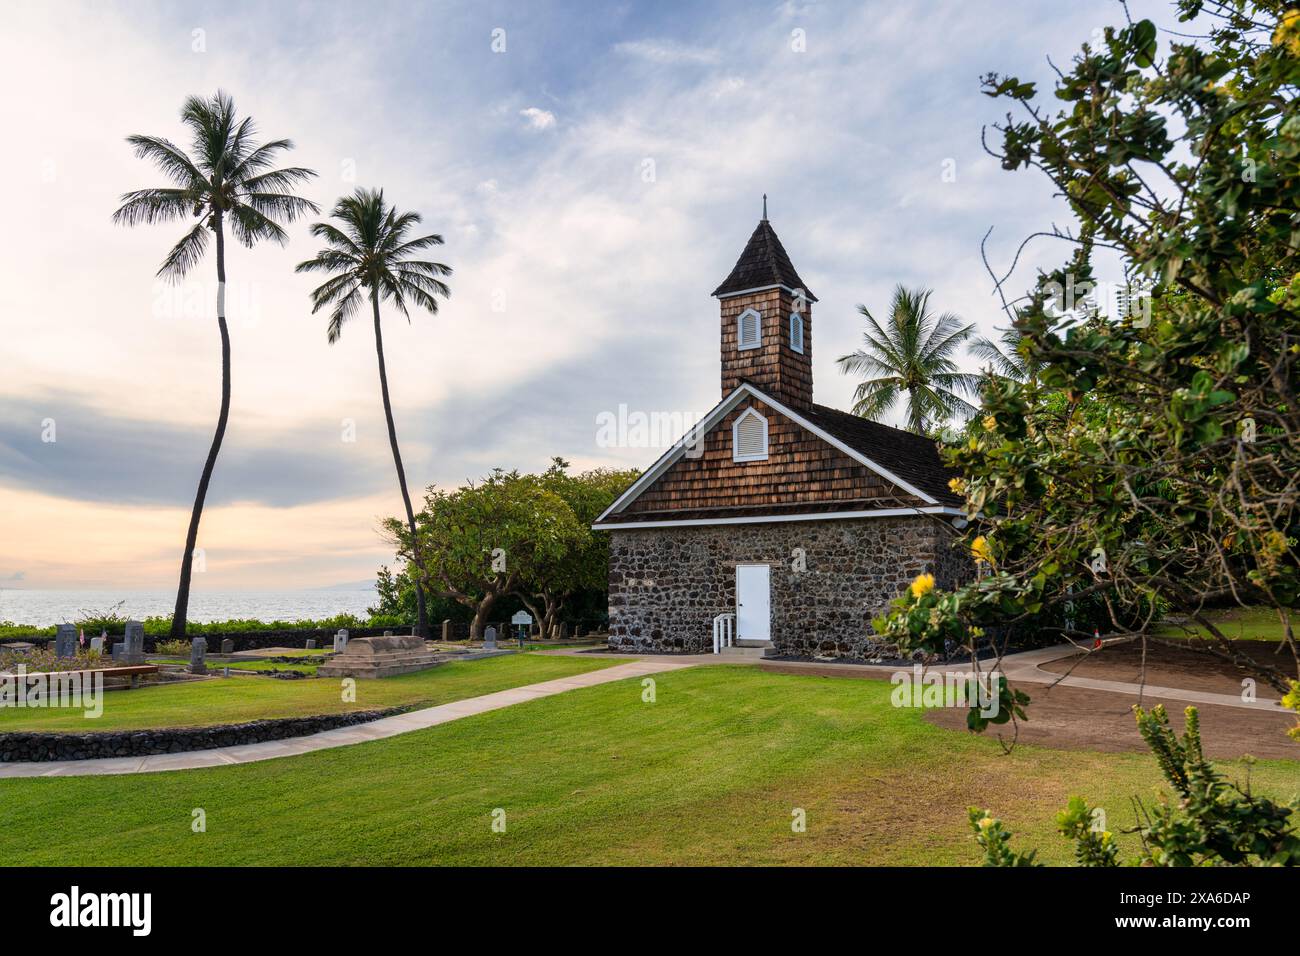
[800,468]
[774,367]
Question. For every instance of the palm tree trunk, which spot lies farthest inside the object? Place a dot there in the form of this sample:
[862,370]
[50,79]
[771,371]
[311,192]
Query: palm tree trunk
[421,613]
[181,612]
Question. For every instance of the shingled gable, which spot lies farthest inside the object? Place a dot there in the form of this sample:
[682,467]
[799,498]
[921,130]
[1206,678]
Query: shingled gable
[762,265]
[910,463]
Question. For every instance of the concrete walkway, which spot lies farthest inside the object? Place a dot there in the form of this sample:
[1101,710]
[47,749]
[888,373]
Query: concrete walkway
[356,734]
[1024,667]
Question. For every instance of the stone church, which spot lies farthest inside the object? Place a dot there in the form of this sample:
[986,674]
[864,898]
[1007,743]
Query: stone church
[800,520]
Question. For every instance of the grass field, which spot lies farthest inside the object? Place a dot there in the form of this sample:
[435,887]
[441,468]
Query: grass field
[708,774]
[1240,624]
[236,699]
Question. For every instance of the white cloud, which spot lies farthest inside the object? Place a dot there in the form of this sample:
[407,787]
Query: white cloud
[538,118]
[666,51]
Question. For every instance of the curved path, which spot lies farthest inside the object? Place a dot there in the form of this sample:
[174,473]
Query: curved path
[1024,666]
[354,734]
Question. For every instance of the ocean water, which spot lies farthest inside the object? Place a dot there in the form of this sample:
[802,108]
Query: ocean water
[32,606]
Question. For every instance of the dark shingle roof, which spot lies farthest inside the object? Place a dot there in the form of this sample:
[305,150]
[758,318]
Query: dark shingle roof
[913,458]
[763,263]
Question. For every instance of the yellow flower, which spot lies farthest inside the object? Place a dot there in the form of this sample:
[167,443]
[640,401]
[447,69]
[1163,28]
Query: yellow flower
[922,586]
[1287,33]
[986,822]
[979,549]
[990,423]
[957,486]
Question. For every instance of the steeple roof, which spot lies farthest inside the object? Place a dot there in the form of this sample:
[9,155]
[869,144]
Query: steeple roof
[764,263]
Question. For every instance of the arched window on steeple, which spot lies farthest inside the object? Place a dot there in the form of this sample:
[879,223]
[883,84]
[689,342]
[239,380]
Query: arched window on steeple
[749,330]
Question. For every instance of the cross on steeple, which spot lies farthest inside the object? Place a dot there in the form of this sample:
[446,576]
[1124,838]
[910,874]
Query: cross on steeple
[765,207]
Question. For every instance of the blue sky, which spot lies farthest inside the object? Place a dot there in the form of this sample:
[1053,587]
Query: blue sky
[594,180]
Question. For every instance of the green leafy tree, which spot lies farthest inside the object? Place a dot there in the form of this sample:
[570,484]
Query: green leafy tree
[1005,357]
[912,358]
[370,256]
[479,543]
[226,179]
[1151,463]
[584,566]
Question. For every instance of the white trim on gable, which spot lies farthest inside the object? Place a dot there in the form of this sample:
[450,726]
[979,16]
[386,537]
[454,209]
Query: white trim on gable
[768,519]
[695,437]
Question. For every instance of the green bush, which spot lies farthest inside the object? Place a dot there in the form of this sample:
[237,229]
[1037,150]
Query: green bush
[1213,823]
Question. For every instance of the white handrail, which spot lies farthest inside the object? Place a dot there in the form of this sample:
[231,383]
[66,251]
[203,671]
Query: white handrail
[724,632]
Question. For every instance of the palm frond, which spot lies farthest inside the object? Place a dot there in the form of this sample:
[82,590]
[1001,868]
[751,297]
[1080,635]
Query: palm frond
[168,157]
[248,226]
[185,254]
[155,205]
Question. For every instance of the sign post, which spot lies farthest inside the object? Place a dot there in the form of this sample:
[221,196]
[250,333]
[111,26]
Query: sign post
[522,620]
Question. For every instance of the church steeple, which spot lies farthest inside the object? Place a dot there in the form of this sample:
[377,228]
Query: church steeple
[767,321]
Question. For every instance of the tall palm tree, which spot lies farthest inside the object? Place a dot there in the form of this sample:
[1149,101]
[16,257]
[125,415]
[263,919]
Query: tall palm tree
[370,257]
[226,176]
[1004,358]
[911,358]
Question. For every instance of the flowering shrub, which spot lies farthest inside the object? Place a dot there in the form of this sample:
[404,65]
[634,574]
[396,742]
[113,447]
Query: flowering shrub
[1212,823]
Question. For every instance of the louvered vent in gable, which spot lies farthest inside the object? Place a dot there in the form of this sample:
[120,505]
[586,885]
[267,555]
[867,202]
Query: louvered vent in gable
[749,330]
[749,437]
[796,332]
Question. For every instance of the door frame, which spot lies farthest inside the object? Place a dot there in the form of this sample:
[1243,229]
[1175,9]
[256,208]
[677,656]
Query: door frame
[754,564]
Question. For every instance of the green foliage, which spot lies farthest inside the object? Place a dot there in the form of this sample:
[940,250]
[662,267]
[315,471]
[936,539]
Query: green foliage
[226,177]
[1213,822]
[511,536]
[1149,462]
[369,258]
[995,840]
[177,648]
[911,358]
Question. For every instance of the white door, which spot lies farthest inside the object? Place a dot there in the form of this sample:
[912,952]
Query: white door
[753,602]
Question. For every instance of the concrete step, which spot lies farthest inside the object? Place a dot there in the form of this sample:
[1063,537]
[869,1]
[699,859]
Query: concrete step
[746,642]
[756,652]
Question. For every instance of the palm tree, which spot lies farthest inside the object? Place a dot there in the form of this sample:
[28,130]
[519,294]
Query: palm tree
[370,256]
[226,176]
[1004,358]
[911,357]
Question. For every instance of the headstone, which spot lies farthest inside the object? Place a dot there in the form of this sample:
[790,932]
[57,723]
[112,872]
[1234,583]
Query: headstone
[119,651]
[564,630]
[17,647]
[311,643]
[65,641]
[198,654]
[446,630]
[227,646]
[390,633]
[577,631]
[134,642]
[490,639]
[97,645]
[341,641]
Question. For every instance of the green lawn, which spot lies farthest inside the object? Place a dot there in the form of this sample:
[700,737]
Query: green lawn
[1241,624]
[708,774]
[236,699]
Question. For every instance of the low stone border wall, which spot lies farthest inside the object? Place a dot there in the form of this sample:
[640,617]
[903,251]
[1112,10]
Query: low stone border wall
[36,746]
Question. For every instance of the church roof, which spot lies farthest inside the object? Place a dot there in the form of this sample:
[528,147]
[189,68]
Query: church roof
[763,264]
